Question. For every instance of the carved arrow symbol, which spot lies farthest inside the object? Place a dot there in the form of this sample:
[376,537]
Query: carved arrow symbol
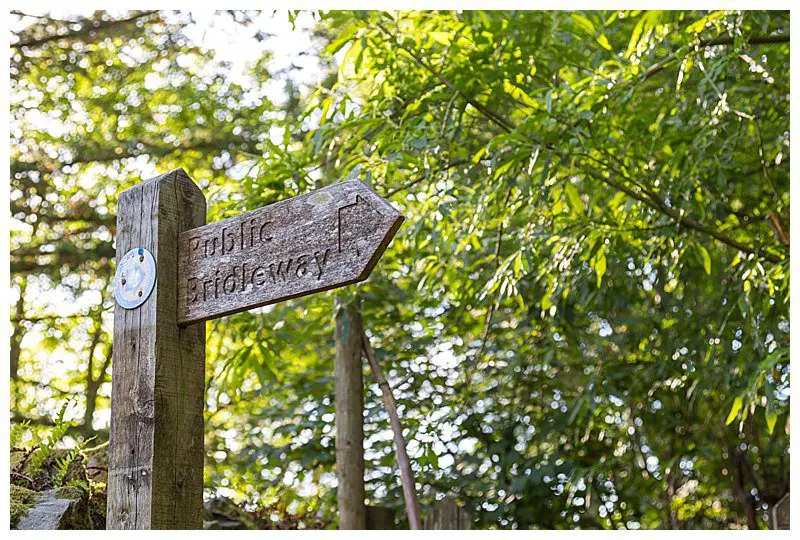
[361,207]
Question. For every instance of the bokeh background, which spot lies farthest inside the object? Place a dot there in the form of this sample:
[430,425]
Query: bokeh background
[584,317]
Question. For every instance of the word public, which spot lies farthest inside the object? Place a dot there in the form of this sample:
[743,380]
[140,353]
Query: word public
[246,236]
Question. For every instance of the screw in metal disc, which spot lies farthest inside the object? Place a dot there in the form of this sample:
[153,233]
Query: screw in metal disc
[135,278]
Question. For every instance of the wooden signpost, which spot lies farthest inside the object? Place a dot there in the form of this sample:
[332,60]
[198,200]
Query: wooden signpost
[174,272]
[322,240]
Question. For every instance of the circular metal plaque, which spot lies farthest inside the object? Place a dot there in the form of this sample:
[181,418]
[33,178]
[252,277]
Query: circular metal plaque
[135,278]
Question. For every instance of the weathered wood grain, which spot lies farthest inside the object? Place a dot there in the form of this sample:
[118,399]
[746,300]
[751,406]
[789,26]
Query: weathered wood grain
[447,515]
[779,517]
[348,389]
[155,477]
[310,243]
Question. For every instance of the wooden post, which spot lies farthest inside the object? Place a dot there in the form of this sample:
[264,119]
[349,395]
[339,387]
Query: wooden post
[155,476]
[349,396]
[447,515]
[380,518]
[779,516]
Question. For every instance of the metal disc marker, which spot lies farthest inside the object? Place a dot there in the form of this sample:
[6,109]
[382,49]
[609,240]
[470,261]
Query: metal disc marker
[135,278]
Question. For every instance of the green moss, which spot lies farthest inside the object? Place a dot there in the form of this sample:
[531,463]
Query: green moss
[97,510]
[21,500]
[99,452]
[23,495]
[70,492]
[80,517]
[17,511]
[17,457]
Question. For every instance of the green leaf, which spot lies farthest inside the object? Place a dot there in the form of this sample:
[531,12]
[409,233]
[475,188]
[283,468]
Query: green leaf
[603,41]
[585,24]
[353,56]
[700,25]
[735,408]
[441,37]
[704,257]
[518,93]
[600,267]
[772,419]
[574,197]
[341,40]
[635,35]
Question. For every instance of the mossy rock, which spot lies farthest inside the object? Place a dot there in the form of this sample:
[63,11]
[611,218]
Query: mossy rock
[48,513]
[97,508]
[79,517]
[22,499]
[71,492]
[23,495]
[18,455]
[44,476]
[87,499]
[17,511]
[97,463]
[222,513]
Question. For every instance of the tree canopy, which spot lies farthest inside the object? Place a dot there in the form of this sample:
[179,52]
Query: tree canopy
[585,317]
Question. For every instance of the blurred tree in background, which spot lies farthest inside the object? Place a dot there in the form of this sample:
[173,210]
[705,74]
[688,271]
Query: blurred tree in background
[585,316]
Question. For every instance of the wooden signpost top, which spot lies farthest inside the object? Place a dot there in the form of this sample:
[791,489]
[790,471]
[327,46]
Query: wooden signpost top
[314,242]
[173,271]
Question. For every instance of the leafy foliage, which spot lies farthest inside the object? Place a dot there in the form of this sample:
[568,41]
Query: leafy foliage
[41,460]
[42,448]
[585,316]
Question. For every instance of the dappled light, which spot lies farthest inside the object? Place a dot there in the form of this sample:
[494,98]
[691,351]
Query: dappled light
[583,319]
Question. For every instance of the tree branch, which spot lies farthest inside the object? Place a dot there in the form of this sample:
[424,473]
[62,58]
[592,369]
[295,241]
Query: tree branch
[651,200]
[496,118]
[85,30]
[719,40]
[487,324]
[413,183]
[406,474]
[678,215]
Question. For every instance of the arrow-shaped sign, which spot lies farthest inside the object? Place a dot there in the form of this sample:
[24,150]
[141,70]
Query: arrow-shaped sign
[314,242]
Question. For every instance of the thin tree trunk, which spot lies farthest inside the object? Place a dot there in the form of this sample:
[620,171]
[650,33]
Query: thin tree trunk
[92,388]
[739,487]
[349,396]
[16,337]
[406,474]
